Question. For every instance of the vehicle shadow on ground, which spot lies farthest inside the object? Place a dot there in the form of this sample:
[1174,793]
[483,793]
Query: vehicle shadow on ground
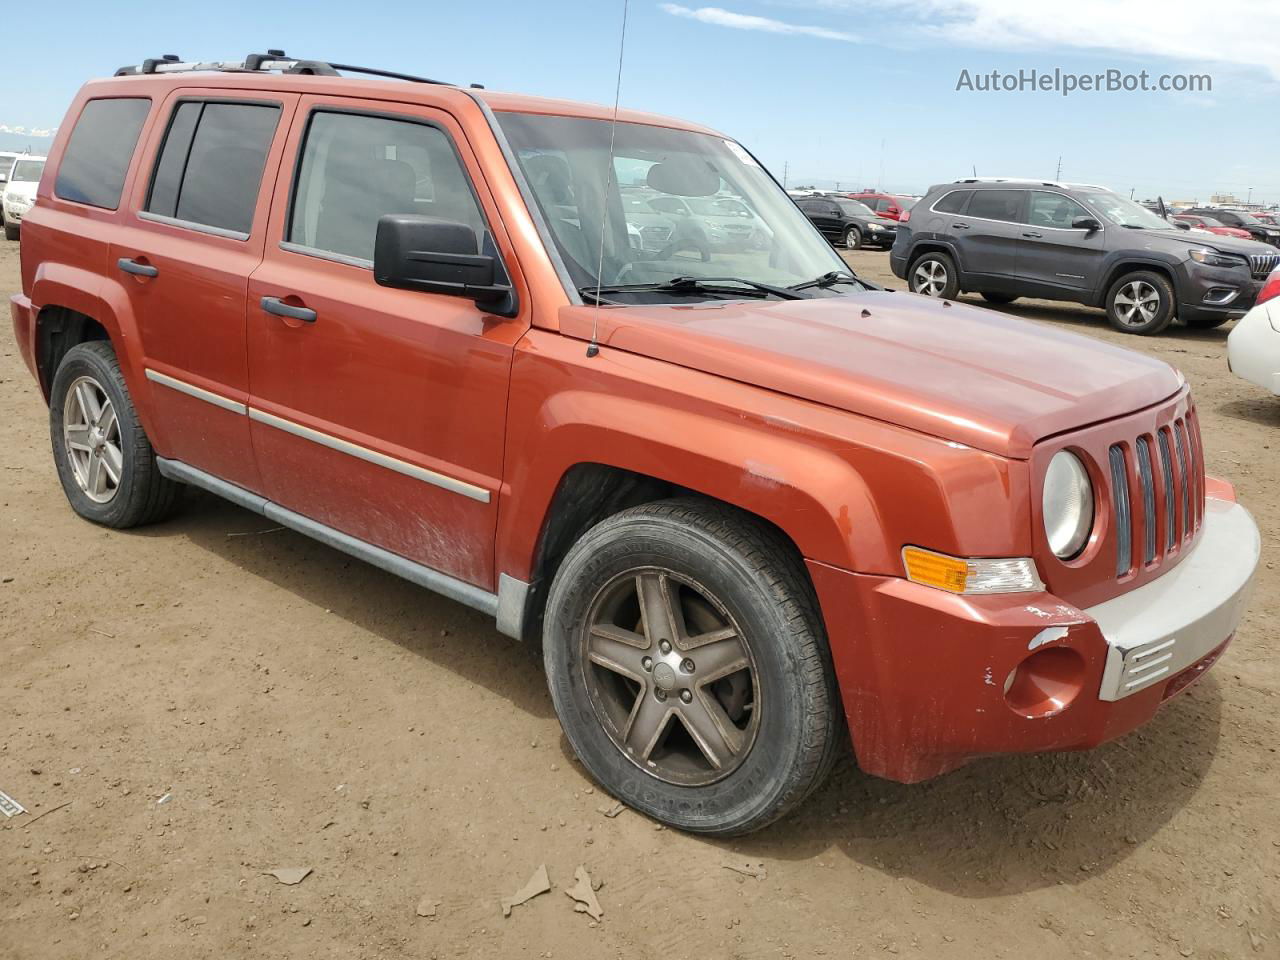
[1264,411]
[450,635]
[1006,825]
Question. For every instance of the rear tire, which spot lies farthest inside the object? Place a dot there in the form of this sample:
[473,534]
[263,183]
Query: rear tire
[1141,303]
[934,275]
[1000,298]
[853,238]
[632,700]
[104,459]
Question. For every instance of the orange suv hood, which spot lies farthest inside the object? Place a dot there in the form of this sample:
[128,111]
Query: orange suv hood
[957,372]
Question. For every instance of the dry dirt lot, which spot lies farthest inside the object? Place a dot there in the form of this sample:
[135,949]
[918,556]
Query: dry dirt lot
[195,704]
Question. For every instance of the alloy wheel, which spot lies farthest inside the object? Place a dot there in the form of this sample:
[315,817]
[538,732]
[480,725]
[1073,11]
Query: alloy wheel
[671,677]
[930,278]
[91,432]
[1137,303]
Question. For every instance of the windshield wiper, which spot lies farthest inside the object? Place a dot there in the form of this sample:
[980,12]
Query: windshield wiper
[826,280]
[692,285]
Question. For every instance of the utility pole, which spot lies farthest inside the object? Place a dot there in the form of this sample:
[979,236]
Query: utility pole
[1131,189]
[786,164]
[880,185]
[1058,176]
[1249,202]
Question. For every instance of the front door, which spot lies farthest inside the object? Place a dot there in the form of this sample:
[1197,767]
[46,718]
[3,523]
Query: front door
[1056,260]
[183,258]
[375,411]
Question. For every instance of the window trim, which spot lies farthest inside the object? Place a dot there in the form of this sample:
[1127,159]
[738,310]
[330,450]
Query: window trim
[206,228]
[332,256]
[133,154]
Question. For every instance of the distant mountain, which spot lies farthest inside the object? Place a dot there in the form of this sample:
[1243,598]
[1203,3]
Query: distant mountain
[18,142]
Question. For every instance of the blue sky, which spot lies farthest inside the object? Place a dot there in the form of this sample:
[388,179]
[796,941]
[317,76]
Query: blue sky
[834,90]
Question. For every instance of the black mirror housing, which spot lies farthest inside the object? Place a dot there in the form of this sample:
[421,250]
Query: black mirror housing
[1085,223]
[414,252]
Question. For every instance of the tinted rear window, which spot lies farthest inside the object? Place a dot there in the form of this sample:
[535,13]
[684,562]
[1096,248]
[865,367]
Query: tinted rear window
[953,202]
[97,157]
[995,204]
[210,167]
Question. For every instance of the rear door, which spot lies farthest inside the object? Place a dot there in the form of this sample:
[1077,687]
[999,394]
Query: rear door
[183,256]
[1055,260]
[986,237]
[380,412]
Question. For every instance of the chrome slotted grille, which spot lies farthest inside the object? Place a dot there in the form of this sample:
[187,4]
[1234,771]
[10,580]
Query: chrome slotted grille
[1166,509]
[1261,264]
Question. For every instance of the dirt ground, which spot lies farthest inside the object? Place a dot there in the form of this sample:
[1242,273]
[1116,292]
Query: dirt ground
[192,705]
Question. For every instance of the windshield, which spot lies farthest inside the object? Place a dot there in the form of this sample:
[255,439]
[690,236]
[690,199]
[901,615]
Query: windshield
[6,164]
[1247,218]
[906,203]
[675,204]
[1124,213]
[852,208]
[27,171]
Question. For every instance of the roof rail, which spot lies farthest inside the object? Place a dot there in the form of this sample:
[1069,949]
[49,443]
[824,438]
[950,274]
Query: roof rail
[272,60]
[1043,183]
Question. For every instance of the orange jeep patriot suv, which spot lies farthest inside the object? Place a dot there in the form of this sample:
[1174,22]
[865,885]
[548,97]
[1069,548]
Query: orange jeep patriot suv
[743,500]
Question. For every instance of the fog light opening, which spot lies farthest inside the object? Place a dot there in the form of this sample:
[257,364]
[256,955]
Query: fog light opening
[1045,683]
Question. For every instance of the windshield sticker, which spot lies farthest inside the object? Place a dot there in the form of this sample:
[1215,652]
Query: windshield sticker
[741,154]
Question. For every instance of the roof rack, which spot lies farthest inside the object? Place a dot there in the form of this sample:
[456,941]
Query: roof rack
[272,60]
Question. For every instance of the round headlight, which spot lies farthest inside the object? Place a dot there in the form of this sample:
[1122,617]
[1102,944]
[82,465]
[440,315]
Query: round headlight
[1068,505]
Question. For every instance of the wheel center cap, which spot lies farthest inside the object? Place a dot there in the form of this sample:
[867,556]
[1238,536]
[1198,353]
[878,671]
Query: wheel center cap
[664,676]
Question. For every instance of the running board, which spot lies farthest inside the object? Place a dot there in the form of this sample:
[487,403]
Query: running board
[503,606]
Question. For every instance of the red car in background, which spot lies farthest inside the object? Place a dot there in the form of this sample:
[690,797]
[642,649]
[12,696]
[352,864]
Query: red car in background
[891,206]
[1212,225]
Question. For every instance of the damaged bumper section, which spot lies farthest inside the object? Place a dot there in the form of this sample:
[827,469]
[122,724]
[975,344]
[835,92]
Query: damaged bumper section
[931,680]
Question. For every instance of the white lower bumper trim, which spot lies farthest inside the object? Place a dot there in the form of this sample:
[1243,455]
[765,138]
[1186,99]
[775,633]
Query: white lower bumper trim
[1158,630]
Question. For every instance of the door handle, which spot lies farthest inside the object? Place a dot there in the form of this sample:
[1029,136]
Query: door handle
[136,268]
[281,309]
[1036,236]
[961,226]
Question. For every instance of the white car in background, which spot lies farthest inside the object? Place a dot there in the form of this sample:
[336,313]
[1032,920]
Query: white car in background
[1253,347]
[20,192]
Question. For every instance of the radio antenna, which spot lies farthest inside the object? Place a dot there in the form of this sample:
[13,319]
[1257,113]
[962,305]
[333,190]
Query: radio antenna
[593,347]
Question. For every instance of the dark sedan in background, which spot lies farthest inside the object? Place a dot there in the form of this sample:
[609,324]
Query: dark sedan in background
[848,222]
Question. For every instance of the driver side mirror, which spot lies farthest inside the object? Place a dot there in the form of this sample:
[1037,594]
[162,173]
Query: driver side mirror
[1085,223]
[414,252]
[1182,225]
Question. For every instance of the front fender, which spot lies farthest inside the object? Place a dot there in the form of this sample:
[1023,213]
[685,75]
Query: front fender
[848,491]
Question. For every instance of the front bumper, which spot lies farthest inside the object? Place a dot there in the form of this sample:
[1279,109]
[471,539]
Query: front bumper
[1201,290]
[931,680]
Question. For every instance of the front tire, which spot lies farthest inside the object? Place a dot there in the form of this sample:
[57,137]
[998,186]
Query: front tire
[1140,302]
[104,459]
[853,238]
[688,665]
[934,275]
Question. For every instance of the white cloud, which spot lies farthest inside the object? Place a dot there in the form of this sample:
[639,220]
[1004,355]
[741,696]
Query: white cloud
[25,132]
[742,21]
[1235,32]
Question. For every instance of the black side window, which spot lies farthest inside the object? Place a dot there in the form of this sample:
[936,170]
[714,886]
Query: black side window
[97,157]
[953,202]
[356,168]
[996,204]
[211,163]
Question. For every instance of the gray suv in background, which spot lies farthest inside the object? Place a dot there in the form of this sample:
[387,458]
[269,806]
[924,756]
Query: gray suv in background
[1007,239]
